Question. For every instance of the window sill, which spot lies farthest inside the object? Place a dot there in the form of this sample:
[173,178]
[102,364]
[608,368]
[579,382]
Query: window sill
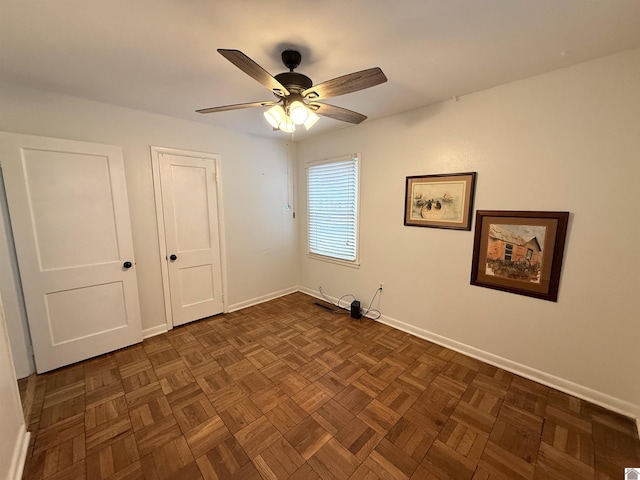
[337,261]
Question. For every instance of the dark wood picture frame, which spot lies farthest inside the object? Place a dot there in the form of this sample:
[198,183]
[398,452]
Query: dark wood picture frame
[519,251]
[440,201]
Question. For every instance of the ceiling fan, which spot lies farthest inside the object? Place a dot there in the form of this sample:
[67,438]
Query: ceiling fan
[297,97]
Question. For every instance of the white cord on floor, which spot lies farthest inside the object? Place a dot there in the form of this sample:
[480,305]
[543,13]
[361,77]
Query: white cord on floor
[379,289]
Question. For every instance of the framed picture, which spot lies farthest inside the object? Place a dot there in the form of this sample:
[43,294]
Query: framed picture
[519,252]
[440,201]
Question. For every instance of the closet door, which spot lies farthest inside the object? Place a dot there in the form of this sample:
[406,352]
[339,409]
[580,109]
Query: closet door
[70,219]
[192,237]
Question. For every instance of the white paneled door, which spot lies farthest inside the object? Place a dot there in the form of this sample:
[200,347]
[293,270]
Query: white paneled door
[191,228]
[70,219]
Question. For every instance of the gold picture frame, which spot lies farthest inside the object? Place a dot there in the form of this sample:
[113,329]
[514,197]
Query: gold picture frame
[440,201]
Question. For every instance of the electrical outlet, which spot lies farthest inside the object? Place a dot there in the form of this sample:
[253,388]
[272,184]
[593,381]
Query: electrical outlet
[380,284]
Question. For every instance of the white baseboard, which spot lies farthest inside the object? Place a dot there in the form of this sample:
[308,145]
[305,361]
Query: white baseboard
[262,299]
[609,402]
[19,454]
[160,329]
[153,331]
[314,293]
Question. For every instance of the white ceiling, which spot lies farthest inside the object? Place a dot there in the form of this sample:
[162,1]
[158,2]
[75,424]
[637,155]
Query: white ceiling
[160,55]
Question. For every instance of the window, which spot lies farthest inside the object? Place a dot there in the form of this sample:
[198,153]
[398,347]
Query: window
[332,204]
[508,251]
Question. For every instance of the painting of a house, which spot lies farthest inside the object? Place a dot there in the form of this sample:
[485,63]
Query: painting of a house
[512,254]
[631,474]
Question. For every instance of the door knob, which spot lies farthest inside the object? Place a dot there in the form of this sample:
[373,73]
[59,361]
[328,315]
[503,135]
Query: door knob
[127,264]
[173,257]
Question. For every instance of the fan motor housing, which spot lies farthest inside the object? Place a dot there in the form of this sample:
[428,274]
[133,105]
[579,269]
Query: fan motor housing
[294,81]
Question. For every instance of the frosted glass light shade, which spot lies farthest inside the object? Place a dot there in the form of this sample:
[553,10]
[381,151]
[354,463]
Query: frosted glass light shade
[275,116]
[298,112]
[312,118]
[287,125]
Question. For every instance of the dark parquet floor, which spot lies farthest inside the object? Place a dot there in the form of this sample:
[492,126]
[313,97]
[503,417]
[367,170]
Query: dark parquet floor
[288,390]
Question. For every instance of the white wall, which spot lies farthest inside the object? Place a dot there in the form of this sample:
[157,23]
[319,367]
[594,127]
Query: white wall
[568,140]
[259,233]
[14,438]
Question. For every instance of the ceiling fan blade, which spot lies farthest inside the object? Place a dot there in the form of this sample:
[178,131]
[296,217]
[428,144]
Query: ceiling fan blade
[337,113]
[346,84]
[237,106]
[254,70]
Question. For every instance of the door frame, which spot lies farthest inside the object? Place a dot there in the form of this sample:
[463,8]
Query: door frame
[157,191]
[12,294]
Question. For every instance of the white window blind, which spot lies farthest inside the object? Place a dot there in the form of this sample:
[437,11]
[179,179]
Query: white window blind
[333,208]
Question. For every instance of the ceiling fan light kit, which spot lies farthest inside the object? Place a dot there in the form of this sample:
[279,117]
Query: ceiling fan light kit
[296,93]
[300,115]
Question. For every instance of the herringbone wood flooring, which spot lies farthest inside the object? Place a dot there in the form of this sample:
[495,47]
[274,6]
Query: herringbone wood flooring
[287,390]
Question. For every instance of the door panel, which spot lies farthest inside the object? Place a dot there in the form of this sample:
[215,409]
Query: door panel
[83,312]
[56,183]
[190,214]
[190,207]
[70,218]
[196,284]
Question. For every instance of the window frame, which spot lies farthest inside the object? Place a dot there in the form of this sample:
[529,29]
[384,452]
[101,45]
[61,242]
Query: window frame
[508,251]
[327,258]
